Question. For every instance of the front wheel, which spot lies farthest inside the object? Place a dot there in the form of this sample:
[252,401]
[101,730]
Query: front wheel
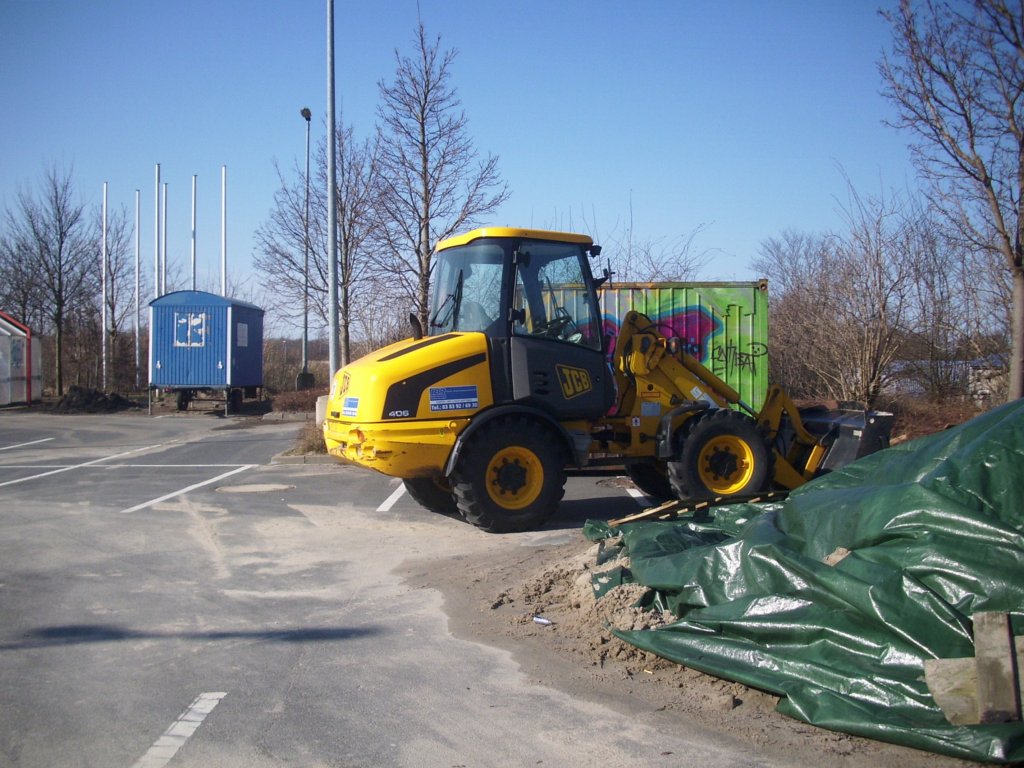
[721,453]
[511,476]
[432,493]
[651,477]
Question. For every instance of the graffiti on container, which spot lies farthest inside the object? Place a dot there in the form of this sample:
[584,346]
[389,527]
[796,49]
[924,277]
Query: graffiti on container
[728,358]
[693,326]
[700,334]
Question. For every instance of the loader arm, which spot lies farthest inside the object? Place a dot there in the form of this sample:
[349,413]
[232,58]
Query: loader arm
[649,366]
[797,459]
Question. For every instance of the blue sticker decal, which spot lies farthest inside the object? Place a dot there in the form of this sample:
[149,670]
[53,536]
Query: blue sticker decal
[454,398]
[650,409]
[350,407]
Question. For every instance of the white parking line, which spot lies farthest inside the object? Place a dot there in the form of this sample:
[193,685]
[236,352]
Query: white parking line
[22,445]
[116,466]
[640,496]
[389,502]
[174,738]
[77,466]
[171,495]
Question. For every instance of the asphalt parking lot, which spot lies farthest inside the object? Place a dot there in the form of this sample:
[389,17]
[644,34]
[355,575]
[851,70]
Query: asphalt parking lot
[168,596]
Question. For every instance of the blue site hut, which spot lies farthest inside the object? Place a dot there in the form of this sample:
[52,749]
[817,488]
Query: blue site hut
[202,342]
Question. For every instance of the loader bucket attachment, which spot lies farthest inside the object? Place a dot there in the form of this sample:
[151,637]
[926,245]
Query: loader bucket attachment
[813,440]
[846,434]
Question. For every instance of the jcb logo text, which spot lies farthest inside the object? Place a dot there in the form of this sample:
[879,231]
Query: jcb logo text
[574,381]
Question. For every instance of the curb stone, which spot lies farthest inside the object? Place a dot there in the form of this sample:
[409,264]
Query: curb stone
[304,458]
[288,416]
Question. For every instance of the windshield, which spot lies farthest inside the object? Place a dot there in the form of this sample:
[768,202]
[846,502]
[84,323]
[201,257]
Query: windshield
[467,290]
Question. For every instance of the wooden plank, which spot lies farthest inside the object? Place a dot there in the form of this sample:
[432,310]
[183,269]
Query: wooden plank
[995,664]
[673,509]
[953,683]
[665,511]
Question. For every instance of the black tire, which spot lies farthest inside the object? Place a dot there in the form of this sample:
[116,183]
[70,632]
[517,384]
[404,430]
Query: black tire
[433,494]
[651,477]
[511,476]
[720,454]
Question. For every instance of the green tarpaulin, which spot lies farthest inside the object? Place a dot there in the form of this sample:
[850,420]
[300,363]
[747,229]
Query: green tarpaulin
[766,597]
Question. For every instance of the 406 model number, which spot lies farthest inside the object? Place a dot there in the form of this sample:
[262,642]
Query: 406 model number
[398,414]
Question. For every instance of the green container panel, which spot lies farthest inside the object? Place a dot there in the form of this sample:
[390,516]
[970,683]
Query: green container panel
[723,325]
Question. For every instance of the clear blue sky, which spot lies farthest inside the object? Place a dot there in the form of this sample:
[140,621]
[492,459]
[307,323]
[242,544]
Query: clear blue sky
[732,114]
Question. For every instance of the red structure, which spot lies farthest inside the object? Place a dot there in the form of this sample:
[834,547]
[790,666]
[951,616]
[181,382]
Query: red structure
[21,374]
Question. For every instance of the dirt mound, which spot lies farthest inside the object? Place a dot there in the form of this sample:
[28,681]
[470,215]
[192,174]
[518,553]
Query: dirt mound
[88,400]
[542,605]
[564,594]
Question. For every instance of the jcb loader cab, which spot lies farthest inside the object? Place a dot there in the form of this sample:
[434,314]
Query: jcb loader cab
[482,411]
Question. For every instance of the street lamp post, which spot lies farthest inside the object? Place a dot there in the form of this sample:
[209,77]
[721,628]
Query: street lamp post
[305,379]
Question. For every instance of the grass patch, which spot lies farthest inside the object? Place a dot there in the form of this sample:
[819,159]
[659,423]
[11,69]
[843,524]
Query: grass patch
[309,440]
[297,402]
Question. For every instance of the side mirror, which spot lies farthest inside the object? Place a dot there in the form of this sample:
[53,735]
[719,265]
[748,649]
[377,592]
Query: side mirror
[417,326]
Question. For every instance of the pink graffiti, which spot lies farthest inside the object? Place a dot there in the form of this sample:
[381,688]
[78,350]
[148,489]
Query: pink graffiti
[693,326]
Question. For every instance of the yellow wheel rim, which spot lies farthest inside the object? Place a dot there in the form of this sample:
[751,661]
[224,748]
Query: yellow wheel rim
[515,477]
[726,464]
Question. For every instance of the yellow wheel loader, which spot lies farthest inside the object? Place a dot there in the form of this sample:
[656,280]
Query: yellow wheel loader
[482,411]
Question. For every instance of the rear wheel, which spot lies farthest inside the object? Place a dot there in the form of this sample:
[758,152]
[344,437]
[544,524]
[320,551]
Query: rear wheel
[722,453]
[651,477]
[432,493]
[511,476]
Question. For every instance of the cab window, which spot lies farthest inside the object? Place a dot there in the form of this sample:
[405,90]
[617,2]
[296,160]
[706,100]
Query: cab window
[549,297]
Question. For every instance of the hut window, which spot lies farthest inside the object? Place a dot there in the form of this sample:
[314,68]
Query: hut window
[190,329]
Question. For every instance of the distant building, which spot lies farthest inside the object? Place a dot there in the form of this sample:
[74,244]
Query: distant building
[21,366]
[982,381]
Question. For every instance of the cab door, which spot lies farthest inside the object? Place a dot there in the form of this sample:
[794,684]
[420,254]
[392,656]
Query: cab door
[557,357]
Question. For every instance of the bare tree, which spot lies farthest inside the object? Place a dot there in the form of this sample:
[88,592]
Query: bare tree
[956,75]
[873,280]
[51,233]
[794,264]
[280,240]
[120,294]
[839,317]
[431,182]
[671,260]
[636,259]
[357,171]
[279,252]
[19,285]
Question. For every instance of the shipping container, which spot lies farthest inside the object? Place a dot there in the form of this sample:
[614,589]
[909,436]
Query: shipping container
[203,342]
[21,369]
[723,325]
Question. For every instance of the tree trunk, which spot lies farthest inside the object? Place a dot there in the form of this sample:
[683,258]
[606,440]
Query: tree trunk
[346,345]
[1015,390]
[424,259]
[58,355]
